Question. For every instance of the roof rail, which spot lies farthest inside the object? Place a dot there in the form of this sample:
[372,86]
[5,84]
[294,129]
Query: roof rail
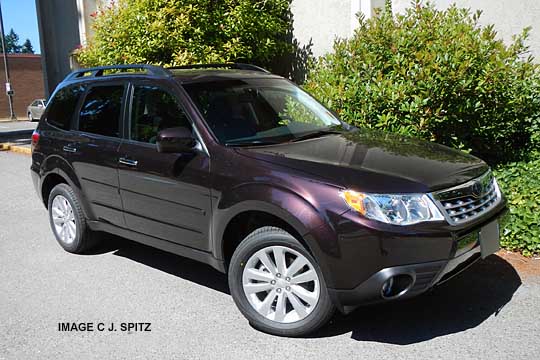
[237,66]
[99,70]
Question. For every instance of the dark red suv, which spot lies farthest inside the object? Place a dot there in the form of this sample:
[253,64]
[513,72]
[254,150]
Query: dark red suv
[241,169]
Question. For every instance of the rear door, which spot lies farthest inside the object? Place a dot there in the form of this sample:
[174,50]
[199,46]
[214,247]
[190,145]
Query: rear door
[94,149]
[166,196]
[56,128]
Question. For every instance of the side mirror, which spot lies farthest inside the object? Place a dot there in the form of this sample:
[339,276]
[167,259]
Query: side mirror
[175,140]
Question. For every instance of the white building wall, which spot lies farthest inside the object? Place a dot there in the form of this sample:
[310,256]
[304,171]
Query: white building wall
[508,16]
[321,21]
[84,9]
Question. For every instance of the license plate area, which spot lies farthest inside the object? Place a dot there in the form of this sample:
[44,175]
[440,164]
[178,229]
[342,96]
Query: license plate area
[489,239]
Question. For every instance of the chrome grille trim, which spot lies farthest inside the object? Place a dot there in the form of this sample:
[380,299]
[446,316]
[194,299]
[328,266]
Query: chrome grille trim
[466,202]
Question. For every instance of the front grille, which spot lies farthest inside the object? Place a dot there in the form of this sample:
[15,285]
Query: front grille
[466,202]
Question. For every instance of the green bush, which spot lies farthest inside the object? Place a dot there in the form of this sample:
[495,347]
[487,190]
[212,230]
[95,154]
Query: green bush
[436,75]
[174,32]
[520,182]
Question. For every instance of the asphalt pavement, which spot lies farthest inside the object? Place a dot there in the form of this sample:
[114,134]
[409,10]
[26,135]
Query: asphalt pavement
[489,312]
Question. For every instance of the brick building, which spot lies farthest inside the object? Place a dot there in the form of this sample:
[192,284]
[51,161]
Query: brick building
[26,80]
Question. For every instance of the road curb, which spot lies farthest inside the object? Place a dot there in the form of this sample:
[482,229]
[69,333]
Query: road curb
[15,148]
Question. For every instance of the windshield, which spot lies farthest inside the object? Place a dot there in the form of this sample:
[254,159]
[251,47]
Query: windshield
[260,111]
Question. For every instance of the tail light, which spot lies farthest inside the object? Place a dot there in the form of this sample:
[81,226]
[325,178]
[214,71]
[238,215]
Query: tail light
[35,139]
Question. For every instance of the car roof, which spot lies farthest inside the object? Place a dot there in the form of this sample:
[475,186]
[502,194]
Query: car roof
[183,74]
[186,76]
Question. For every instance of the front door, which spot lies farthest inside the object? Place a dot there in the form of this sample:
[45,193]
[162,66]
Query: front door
[164,195]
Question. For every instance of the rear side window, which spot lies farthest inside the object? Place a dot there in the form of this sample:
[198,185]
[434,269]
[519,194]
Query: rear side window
[63,105]
[100,112]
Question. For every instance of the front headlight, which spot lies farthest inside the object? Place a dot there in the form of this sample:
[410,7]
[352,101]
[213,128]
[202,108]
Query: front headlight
[395,209]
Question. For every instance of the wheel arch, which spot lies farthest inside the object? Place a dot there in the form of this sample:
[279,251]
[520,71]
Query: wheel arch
[49,182]
[281,206]
[57,170]
[246,221]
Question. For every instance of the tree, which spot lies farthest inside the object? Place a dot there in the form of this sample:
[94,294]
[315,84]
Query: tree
[12,42]
[27,47]
[172,32]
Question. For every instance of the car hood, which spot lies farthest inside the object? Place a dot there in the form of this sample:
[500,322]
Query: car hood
[374,161]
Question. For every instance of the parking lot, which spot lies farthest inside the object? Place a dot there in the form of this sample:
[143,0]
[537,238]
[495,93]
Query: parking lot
[489,312]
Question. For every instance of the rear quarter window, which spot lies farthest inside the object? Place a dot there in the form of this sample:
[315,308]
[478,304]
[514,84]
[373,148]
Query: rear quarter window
[101,110]
[62,106]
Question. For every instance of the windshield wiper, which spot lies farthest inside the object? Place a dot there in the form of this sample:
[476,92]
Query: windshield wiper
[315,134]
[250,143]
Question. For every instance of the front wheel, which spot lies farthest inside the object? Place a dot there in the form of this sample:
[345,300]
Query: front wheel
[277,284]
[30,117]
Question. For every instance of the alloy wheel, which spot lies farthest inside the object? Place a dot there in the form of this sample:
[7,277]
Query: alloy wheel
[281,284]
[63,219]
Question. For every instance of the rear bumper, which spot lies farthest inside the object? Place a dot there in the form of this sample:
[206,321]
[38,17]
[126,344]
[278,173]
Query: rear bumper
[36,180]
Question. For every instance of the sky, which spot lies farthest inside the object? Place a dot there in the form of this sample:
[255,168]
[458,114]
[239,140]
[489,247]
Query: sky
[21,16]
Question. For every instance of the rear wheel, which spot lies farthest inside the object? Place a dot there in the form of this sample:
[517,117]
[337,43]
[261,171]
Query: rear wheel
[68,222]
[277,285]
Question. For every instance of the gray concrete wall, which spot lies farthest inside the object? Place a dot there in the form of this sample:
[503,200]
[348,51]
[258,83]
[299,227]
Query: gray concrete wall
[59,35]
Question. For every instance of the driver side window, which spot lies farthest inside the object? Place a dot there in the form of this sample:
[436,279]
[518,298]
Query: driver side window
[153,110]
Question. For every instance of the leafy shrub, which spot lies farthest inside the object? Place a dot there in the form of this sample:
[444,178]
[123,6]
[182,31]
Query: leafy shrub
[437,75]
[172,32]
[520,182]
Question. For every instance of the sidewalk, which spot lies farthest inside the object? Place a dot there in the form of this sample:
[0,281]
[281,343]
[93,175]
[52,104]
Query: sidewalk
[16,135]
[7,127]
[16,130]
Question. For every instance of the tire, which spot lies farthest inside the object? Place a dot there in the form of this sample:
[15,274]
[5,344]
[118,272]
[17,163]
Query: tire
[68,222]
[30,117]
[247,272]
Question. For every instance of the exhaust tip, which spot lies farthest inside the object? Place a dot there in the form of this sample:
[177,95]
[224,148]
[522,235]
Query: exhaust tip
[396,286]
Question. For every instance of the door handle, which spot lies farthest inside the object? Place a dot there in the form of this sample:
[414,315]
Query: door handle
[69,149]
[128,162]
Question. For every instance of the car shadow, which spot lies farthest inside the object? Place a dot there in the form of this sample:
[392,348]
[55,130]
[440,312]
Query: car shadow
[176,265]
[462,303]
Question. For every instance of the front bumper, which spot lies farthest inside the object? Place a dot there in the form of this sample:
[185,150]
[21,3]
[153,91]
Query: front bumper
[370,258]
[422,277]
